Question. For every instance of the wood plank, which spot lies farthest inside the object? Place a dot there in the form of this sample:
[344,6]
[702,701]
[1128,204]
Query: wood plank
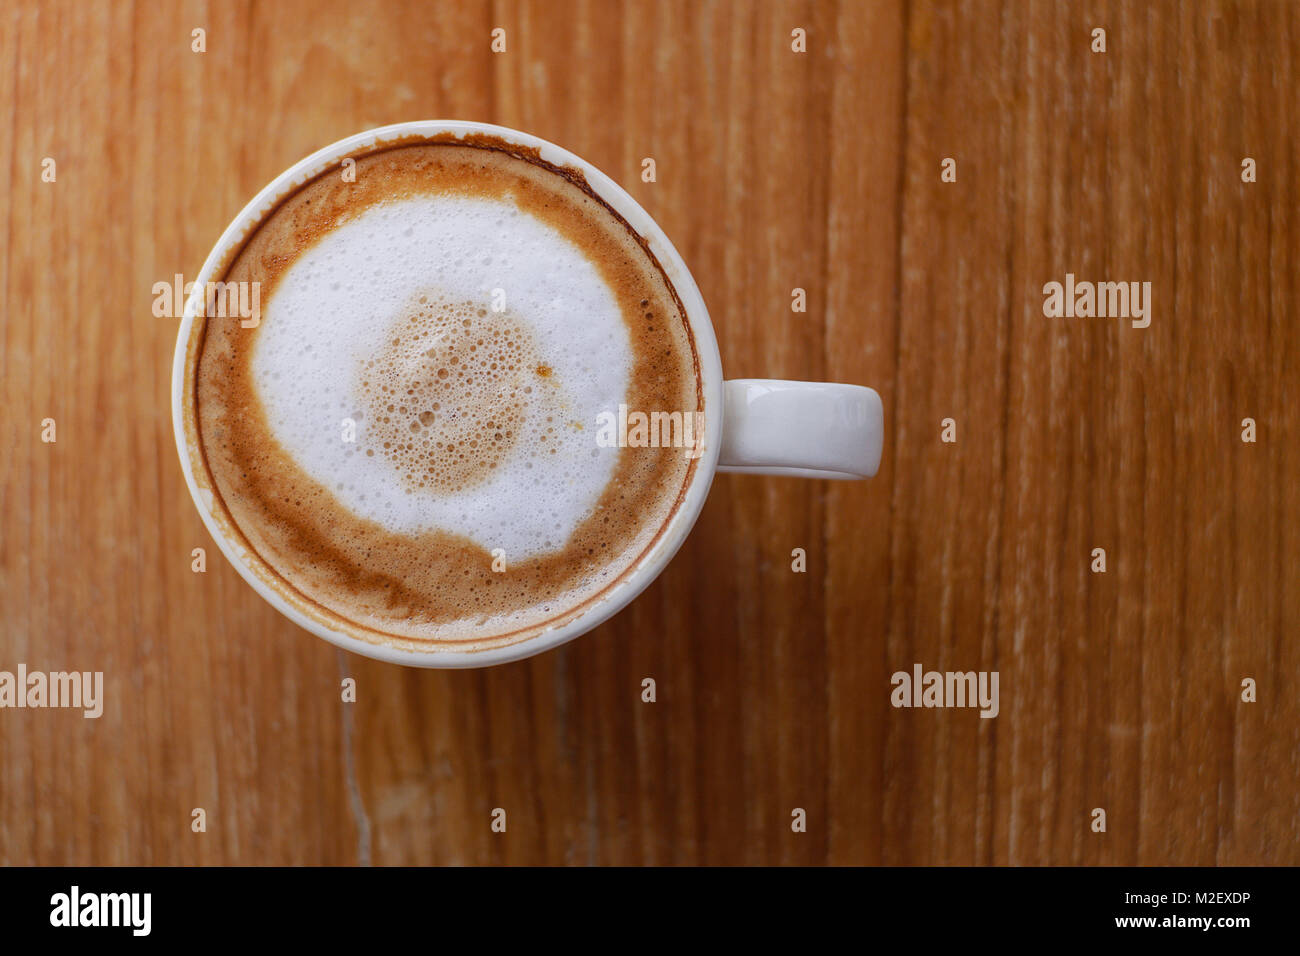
[775,170]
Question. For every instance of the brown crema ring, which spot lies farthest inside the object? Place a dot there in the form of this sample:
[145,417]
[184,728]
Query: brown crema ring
[436,588]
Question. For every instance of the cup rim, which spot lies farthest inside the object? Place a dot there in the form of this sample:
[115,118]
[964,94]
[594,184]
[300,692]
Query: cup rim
[637,578]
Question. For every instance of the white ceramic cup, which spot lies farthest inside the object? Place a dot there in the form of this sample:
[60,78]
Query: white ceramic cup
[759,426]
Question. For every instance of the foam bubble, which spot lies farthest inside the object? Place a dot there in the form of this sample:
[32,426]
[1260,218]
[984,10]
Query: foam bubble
[472,345]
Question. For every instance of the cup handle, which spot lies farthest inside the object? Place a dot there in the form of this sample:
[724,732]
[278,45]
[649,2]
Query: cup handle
[807,429]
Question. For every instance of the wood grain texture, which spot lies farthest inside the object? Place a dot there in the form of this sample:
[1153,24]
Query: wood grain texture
[775,170]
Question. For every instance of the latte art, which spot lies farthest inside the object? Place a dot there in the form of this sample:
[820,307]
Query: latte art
[405,444]
[470,407]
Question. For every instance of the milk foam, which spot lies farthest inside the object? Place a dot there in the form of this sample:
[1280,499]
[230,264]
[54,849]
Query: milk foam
[411,272]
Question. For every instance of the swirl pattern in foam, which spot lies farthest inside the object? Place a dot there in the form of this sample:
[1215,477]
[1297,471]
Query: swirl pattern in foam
[480,346]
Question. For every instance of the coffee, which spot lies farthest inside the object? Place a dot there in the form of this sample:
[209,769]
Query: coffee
[405,444]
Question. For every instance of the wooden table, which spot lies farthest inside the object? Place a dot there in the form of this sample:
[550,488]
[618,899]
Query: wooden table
[776,170]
